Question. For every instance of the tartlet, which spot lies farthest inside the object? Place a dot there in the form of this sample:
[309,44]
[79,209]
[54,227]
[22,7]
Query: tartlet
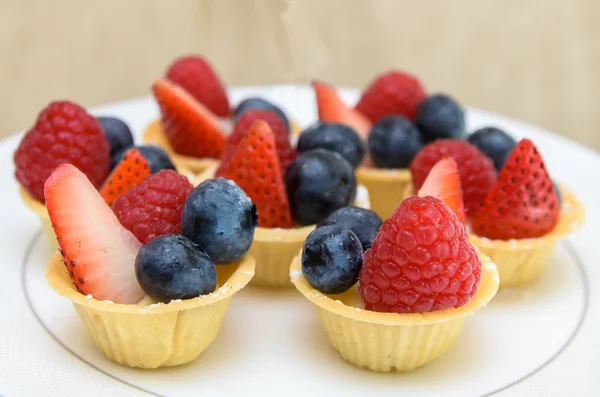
[522,261]
[157,334]
[385,342]
[274,249]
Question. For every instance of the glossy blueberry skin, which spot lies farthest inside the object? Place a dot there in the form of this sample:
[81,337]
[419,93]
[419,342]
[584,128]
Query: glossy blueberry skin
[172,267]
[219,217]
[117,133]
[331,259]
[156,157]
[440,117]
[319,182]
[335,137]
[394,141]
[255,103]
[495,143]
[362,222]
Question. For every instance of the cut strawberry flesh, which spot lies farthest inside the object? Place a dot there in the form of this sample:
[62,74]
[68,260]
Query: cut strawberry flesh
[99,253]
[443,182]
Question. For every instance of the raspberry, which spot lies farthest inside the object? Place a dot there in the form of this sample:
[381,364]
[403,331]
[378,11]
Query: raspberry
[420,261]
[153,207]
[197,77]
[477,172]
[392,93]
[63,133]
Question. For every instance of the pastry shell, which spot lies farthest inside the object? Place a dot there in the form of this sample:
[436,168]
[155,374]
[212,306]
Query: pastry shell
[386,342]
[156,335]
[387,187]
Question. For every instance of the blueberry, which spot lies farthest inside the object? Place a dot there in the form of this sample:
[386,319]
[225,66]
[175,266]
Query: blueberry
[156,157]
[331,259]
[219,217]
[362,222]
[117,133]
[394,141]
[335,137]
[495,143]
[439,116]
[319,182]
[255,103]
[172,267]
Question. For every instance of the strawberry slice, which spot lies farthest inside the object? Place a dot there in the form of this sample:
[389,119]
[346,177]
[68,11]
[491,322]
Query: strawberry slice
[443,182]
[522,203]
[285,152]
[99,253]
[332,109]
[191,128]
[130,171]
[255,168]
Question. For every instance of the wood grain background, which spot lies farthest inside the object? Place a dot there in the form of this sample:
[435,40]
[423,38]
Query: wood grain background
[537,61]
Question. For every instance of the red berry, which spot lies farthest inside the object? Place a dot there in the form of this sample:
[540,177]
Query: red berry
[420,261]
[285,151]
[191,128]
[63,133]
[333,110]
[255,168]
[198,78]
[443,182]
[523,202]
[392,93]
[477,172]
[130,171]
[99,253]
[153,207]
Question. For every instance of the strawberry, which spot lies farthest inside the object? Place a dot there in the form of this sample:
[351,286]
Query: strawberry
[392,93]
[191,128]
[99,253]
[285,151]
[197,77]
[130,171]
[332,109]
[255,168]
[443,182]
[522,203]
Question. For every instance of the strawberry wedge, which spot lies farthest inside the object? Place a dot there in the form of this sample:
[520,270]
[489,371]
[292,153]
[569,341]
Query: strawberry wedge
[99,253]
[443,182]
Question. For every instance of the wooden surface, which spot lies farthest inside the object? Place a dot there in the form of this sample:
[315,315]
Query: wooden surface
[536,61]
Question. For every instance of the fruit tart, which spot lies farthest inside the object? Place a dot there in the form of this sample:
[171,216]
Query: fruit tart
[395,119]
[148,291]
[196,117]
[516,216]
[292,192]
[524,216]
[102,148]
[419,279]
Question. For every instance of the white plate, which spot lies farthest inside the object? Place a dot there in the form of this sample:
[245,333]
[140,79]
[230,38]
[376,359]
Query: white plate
[539,341]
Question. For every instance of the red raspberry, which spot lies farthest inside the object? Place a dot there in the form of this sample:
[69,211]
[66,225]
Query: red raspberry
[477,172]
[392,93]
[63,133]
[198,78]
[285,152]
[153,207]
[420,261]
